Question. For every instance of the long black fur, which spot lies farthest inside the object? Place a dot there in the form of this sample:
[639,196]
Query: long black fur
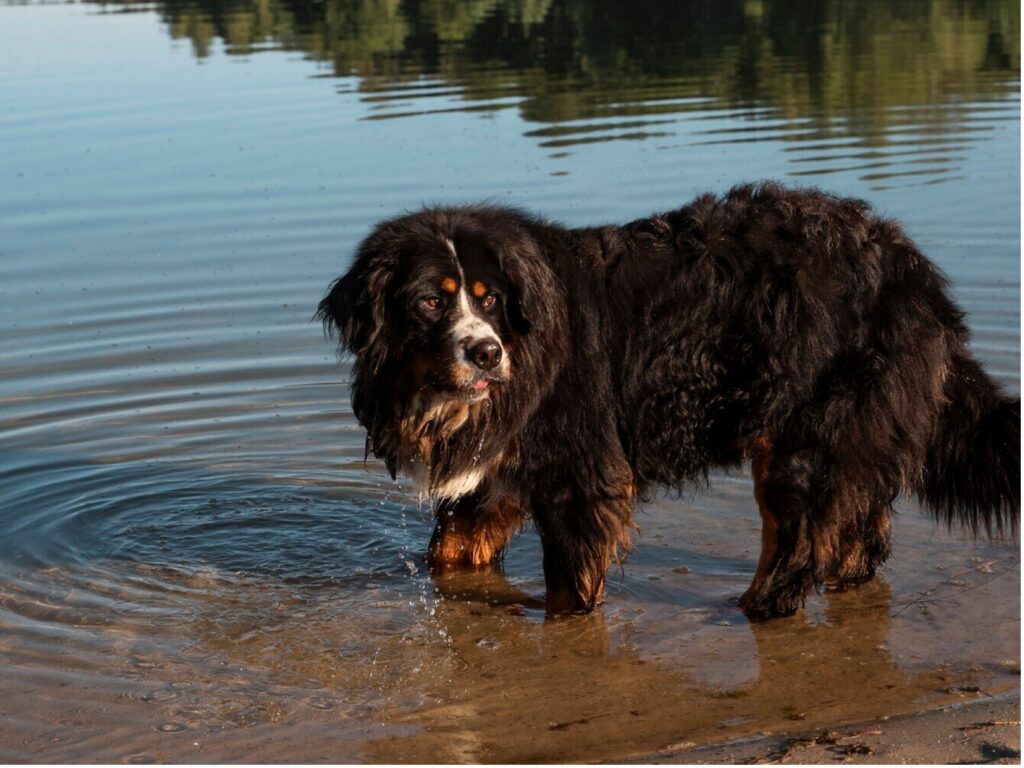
[790,327]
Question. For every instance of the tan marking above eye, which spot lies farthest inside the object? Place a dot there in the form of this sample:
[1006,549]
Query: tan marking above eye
[449,285]
[479,289]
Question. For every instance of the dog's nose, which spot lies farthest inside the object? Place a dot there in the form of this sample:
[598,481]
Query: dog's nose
[485,355]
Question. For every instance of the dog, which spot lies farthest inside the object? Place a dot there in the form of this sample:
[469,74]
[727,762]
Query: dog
[518,370]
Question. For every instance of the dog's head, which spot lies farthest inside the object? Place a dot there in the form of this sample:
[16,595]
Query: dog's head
[449,313]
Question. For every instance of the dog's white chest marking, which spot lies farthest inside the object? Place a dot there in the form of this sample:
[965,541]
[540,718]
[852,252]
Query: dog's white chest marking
[460,484]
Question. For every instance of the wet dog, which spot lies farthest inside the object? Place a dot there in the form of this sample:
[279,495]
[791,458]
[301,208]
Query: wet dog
[521,371]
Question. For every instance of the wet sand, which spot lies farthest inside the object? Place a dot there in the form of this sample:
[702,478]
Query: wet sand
[983,730]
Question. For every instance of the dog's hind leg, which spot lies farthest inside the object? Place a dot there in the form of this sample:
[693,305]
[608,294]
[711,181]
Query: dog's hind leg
[815,529]
[470,532]
[761,465]
[864,543]
[785,570]
[798,533]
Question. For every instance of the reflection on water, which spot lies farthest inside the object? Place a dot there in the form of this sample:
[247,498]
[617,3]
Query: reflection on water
[197,561]
[889,89]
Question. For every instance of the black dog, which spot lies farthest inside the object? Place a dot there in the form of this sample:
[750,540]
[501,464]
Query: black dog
[517,369]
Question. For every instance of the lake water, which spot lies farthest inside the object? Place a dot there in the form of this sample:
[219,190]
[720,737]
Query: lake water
[196,564]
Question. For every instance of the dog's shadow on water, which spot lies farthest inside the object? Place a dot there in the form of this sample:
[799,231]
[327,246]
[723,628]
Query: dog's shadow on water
[560,687]
[484,674]
[471,661]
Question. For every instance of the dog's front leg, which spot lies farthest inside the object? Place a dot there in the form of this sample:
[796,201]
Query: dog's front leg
[580,539]
[469,532]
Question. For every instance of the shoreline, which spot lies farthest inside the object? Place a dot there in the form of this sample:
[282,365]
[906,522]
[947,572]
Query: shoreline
[984,730]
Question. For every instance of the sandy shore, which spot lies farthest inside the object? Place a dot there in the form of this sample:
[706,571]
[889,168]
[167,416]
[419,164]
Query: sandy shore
[980,731]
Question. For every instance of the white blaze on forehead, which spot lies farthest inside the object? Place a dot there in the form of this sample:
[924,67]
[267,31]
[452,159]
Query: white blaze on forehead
[468,324]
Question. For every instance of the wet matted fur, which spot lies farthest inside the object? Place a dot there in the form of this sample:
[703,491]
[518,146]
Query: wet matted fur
[523,371]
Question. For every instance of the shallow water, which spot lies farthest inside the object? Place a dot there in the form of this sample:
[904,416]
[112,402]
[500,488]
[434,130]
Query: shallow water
[196,563]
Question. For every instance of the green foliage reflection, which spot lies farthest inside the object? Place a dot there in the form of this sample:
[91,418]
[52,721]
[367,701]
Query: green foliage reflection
[584,59]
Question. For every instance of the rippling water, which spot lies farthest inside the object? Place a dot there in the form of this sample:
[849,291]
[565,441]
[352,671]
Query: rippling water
[197,563]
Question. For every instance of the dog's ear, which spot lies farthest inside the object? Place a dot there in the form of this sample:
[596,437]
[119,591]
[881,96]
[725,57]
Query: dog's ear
[522,306]
[355,302]
[535,287]
[336,309]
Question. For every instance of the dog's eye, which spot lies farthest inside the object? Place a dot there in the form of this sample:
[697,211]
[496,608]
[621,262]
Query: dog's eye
[431,303]
[488,301]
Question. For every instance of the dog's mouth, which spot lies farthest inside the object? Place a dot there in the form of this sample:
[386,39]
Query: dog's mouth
[471,390]
[479,388]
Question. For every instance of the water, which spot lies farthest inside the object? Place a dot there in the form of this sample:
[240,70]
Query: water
[196,563]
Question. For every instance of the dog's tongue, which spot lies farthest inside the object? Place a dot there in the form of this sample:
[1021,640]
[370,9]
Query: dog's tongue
[482,384]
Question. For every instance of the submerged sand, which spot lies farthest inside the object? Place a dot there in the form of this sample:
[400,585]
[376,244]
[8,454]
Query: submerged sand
[206,666]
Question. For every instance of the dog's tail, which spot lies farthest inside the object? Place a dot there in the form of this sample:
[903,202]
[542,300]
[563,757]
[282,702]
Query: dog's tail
[972,467]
